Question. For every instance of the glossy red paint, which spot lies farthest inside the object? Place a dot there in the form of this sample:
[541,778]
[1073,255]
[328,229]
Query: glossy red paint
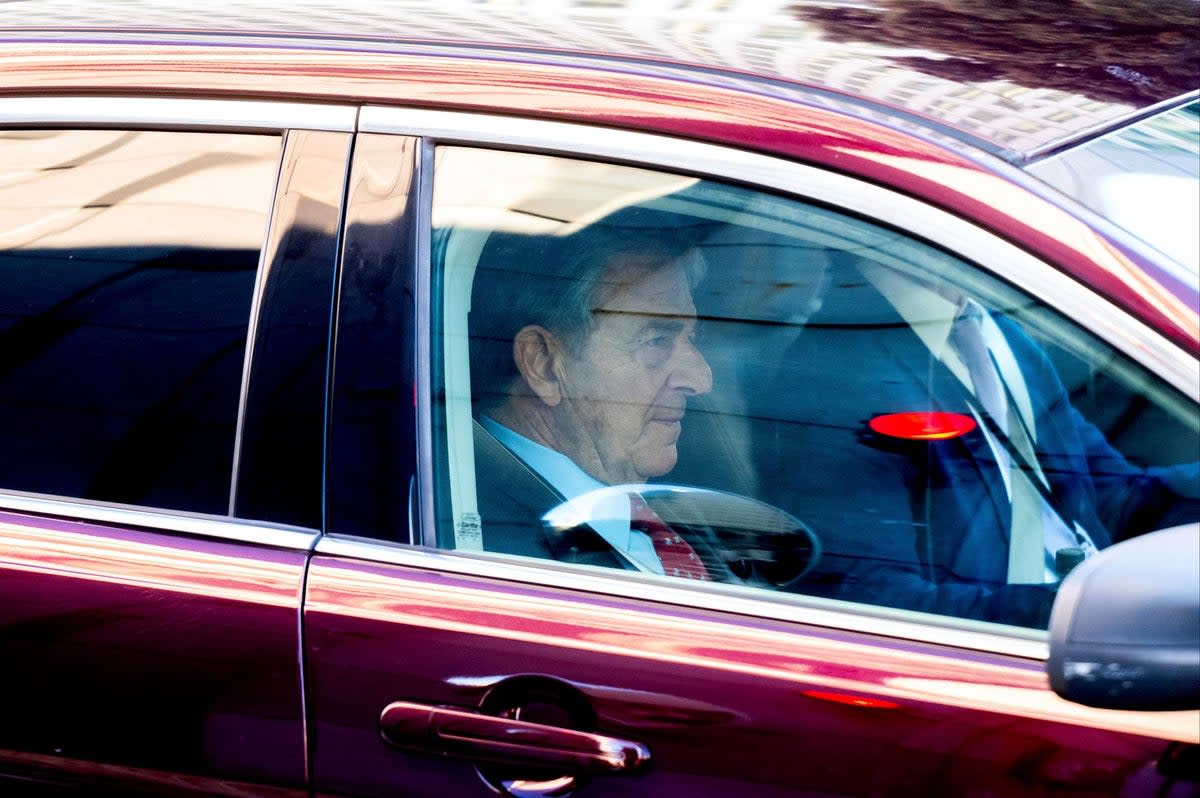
[704,681]
[852,700]
[975,187]
[144,661]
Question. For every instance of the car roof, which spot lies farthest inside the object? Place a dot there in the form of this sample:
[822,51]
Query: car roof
[1018,80]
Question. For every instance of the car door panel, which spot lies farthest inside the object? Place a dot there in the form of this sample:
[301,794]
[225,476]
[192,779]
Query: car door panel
[720,700]
[145,663]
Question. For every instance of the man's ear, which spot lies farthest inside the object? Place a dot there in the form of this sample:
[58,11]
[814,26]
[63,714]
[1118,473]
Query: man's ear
[536,352]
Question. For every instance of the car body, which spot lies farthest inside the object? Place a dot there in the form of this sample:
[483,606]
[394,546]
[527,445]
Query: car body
[238,554]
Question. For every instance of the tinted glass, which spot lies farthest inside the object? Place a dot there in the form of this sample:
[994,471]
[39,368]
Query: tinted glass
[1145,177]
[372,440]
[282,452]
[806,402]
[127,266]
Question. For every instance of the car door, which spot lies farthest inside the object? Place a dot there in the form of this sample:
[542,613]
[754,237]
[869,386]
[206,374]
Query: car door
[157,503]
[445,659]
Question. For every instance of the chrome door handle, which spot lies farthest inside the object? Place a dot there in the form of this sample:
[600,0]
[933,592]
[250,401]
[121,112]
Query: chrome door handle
[470,735]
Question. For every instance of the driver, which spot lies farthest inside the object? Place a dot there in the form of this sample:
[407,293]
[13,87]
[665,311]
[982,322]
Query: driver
[586,358]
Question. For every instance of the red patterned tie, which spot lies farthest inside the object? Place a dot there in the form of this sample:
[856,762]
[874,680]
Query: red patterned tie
[677,557]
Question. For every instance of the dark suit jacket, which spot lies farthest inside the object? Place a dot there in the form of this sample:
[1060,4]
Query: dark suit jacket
[925,525]
[512,500]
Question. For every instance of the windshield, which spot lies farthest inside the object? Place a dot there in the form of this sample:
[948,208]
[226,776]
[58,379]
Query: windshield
[1145,178]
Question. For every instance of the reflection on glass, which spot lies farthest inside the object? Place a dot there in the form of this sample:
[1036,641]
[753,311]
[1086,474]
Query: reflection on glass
[1145,178]
[127,263]
[947,439]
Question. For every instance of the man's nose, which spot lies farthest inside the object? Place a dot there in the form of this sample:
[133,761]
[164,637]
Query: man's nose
[691,373]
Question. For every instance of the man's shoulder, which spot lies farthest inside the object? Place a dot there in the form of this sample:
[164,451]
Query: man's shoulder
[504,479]
[513,500]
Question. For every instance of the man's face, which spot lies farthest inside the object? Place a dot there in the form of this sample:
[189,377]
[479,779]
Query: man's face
[625,390]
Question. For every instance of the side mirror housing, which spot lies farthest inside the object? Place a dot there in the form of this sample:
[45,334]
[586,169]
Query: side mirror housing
[1125,628]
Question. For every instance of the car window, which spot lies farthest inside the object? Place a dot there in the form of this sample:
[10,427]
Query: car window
[661,374]
[127,266]
[1145,177]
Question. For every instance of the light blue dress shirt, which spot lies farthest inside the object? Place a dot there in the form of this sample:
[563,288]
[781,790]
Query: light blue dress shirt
[612,519]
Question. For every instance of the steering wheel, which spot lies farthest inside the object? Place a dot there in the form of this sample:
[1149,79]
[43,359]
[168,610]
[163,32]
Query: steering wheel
[759,543]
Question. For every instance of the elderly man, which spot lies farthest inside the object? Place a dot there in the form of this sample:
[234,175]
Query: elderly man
[584,354]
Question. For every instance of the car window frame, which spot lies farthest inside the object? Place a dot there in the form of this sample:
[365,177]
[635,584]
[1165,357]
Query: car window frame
[857,197]
[199,115]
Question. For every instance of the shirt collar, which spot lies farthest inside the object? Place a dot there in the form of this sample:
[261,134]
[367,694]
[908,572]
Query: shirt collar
[555,467]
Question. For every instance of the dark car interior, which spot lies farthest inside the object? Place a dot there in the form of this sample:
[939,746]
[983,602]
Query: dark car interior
[127,364]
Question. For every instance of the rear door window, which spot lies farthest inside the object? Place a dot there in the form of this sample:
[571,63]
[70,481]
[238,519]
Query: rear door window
[127,267]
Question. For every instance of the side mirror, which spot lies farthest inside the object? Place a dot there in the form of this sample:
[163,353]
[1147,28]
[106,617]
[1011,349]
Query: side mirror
[1125,628]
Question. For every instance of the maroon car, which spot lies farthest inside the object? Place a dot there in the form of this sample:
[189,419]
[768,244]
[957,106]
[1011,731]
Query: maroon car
[765,399]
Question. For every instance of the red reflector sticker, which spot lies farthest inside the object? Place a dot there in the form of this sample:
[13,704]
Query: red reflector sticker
[926,426]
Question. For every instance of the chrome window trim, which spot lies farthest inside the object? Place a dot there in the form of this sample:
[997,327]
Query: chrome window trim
[423,318]
[727,599]
[166,112]
[1046,283]
[258,533]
